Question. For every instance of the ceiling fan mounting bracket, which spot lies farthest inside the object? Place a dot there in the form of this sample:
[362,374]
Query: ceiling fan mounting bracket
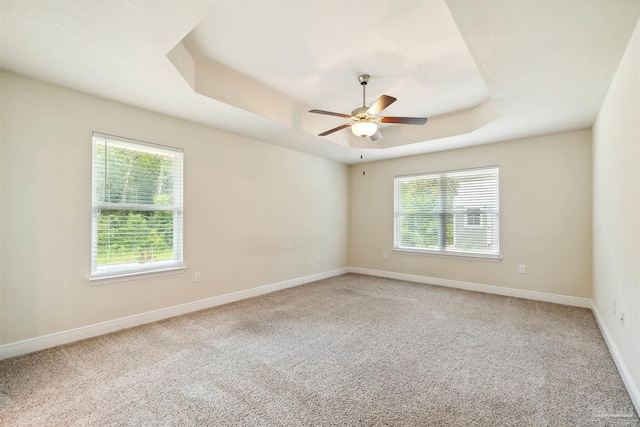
[364,79]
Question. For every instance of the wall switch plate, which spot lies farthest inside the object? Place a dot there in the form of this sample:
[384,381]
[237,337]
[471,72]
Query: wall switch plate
[196,277]
[384,255]
[318,257]
[522,269]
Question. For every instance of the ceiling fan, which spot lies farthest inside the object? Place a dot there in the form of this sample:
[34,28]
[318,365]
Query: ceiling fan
[365,119]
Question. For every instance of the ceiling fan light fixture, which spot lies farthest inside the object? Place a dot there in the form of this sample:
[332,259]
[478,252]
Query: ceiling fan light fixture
[364,129]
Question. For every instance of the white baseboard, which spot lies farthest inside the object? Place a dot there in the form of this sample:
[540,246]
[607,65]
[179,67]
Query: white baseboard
[58,338]
[488,289]
[632,387]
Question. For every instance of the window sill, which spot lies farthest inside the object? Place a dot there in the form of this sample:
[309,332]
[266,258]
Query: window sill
[454,255]
[125,277]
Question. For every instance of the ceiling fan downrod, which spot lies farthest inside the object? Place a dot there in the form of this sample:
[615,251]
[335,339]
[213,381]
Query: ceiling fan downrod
[364,79]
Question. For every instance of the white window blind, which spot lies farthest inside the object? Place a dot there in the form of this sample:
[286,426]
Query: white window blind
[453,212]
[137,207]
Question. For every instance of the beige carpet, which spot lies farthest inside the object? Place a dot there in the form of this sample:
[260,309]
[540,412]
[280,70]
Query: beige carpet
[351,350]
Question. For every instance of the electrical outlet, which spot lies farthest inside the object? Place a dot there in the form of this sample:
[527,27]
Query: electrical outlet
[196,277]
[523,269]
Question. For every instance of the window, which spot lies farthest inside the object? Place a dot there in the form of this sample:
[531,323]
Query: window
[473,216]
[454,213]
[137,207]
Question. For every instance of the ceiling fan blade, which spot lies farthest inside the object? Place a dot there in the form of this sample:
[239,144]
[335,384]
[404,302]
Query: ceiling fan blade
[404,120]
[383,102]
[376,136]
[330,113]
[335,129]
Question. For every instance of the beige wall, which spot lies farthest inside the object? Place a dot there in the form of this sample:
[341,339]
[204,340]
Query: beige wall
[545,215]
[616,209]
[255,213]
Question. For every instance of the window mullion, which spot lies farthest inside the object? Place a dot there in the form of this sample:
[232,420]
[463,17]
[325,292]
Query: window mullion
[442,221]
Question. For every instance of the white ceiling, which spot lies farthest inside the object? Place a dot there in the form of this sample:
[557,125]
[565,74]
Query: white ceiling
[482,71]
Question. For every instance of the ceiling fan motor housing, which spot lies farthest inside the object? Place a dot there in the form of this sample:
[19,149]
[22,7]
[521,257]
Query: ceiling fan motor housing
[360,112]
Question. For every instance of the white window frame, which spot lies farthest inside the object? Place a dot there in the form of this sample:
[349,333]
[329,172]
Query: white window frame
[123,271]
[443,250]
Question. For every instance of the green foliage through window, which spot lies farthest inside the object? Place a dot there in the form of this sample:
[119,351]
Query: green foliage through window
[134,236]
